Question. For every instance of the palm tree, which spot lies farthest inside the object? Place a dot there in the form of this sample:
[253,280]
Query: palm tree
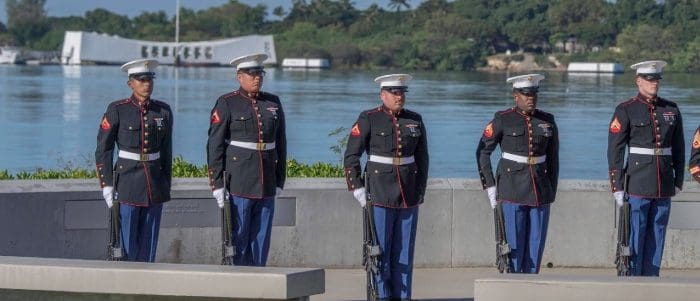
[397,4]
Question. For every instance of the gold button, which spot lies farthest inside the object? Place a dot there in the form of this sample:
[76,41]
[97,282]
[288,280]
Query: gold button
[399,138]
[376,171]
[382,133]
[260,132]
[259,123]
[145,134]
[508,169]
[260,140]
[398,132]
[259,115]
[530,131]
[131,128]
[531,153]
[658,143]
[352,186]
[145,149]
[146,125]
[256,108]
[613,181]
[530,138]
[99,168]
[399,153]
[400,146]
[636,163]
[103,183]
[120,166]
[145,118]
[234,158]
[254,101]
[145,141]
[242,118]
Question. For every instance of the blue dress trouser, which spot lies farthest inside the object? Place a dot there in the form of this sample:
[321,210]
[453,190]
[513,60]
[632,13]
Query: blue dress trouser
[526,233]
[648,221]
[396,232]
[140,226]
[251,230]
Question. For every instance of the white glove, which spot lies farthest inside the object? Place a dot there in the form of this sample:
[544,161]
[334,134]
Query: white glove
[220,196]
[491,192]
[361,196]
[107,194]
[678,190]
[619,197]
[278,192]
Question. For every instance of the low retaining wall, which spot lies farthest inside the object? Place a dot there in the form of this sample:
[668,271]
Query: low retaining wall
[318,223]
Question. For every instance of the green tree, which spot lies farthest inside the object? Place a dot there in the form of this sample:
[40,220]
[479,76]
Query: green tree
[104,21]
[3,28]
[398,4]
[26,20]
[154,26]
[646,42]
[279,12]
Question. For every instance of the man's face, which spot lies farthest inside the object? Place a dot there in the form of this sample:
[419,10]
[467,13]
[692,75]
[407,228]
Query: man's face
[527,102]
[141,87]
[251,81]
[393,99]
[647,87]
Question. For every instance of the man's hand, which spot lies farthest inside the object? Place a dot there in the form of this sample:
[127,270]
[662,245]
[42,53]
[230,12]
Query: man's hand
[491,192]
[108,195]
[361,196]
[619,198]
[220,196]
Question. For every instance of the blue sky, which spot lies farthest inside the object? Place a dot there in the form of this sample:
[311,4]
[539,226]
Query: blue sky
[61,8]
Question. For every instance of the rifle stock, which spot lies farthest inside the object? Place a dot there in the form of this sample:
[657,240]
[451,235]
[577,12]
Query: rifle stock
[502,247]
[623,252]
[115,252]
[227,248]
[370,247]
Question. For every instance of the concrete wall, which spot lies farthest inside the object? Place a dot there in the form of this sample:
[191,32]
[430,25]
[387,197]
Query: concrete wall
[318,223]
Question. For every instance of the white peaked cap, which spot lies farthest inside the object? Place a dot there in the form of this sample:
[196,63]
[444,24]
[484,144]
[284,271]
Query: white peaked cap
[393,80]
[649,67]
[140,66]
[525,81]
[249,61]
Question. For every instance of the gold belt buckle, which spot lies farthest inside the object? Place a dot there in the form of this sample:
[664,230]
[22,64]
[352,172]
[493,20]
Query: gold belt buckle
[260,146]
[143,157]
[397,160]
[658,151]
[531,160]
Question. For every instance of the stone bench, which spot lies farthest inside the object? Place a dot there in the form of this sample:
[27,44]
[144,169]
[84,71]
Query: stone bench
[575,288]
[31,278]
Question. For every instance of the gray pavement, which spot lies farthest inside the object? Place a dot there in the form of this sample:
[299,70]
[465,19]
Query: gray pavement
[448,283]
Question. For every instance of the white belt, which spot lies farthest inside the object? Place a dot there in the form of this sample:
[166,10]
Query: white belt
[253,145]
[392,160]
[666,151]
[138,157]
[524,159]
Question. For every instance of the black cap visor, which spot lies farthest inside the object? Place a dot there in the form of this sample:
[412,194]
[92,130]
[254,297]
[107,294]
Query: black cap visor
[143,76]
[650,76]
[395,89]
[526,90]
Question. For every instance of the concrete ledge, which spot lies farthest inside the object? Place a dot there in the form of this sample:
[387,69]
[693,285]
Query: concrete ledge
[585,288]
[159,279]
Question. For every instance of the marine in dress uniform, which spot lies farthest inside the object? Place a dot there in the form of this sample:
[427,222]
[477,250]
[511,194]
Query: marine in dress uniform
[527,173]
[650,129]
[396,174]
[694,163]
[141,128]
[247,139]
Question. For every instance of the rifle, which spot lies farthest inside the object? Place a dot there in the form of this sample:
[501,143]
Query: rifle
[622,253]
[502,247]
[370,248]
[227,248]
[115,252]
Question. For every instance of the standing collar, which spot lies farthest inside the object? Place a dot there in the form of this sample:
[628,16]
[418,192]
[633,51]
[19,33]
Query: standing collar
[386,110]
[248,94]
[135,101]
